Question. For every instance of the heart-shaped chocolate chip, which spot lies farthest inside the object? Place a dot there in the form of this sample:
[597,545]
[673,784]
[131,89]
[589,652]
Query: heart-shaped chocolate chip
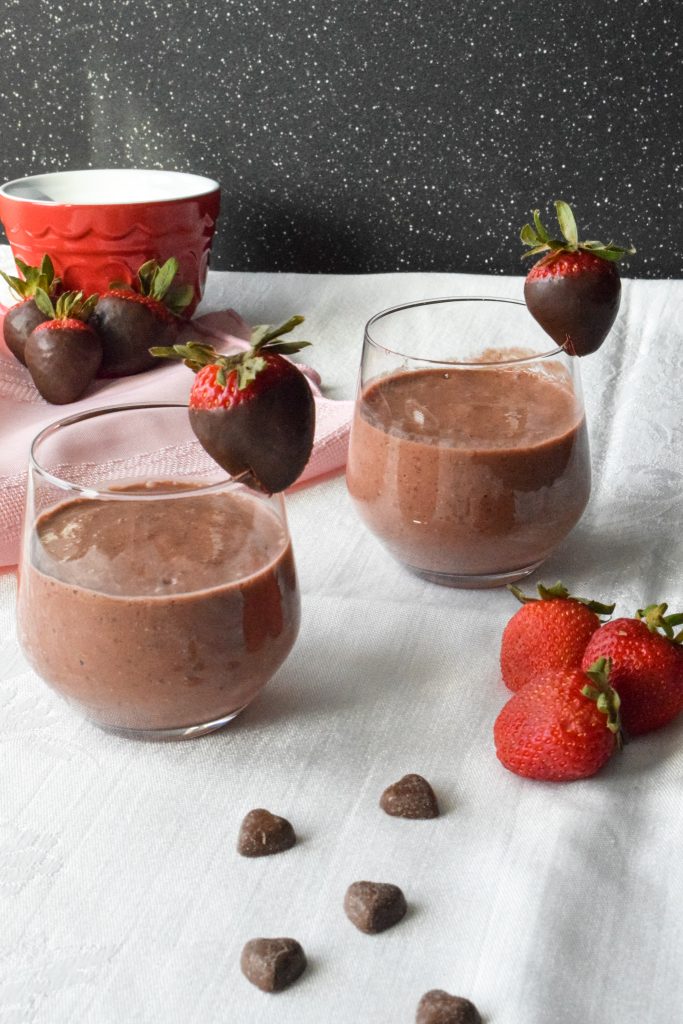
[272,964]
[263,833]
[374,906]
[410,797]
[438,1007]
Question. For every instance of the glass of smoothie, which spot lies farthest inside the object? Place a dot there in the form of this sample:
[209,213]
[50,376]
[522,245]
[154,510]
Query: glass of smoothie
[156,594]
[468,455]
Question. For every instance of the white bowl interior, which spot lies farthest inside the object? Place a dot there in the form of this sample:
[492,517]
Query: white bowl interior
[105,187]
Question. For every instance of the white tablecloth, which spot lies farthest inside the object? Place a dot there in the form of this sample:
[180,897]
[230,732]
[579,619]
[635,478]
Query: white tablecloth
[123,899]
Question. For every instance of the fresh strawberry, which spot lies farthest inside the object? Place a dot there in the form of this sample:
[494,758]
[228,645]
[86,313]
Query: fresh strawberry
[21,318]
[559,727]
[63,353]
[548,633]
[647,666]
[132,318]
[574,291]
[253,412]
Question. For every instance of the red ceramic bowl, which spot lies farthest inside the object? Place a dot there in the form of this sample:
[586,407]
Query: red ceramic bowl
[98,226]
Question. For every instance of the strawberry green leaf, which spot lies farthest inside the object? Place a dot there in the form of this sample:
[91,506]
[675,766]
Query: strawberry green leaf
[567,222]
[18,287]
[146,275]
[605,696]
[194,354]
[44,304]
[548,593]
[24,268]
[47,269]
[655,618]
[163,278]
[247,371]
[87,307]
[528,236]
[74,305]
[559,592]
[543,235]
[179,298]
[613,253]
[535,251]
[264,333]
[286,348]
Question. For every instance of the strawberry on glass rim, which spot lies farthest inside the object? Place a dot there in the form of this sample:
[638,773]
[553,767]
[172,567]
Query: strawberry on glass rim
[253,412]
[574,290]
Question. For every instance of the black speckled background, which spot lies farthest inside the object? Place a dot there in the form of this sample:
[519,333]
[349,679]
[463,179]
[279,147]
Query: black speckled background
[366,135]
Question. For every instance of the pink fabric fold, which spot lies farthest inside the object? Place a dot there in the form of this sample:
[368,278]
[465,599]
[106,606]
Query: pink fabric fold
[23,413]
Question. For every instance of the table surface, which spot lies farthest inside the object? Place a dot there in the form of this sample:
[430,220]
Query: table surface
[123,897]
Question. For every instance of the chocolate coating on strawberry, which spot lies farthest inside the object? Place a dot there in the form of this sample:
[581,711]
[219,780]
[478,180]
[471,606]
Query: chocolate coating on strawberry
[253,412]
[129,325]
[23,317]
[19,321]
[574,291]
[63,353]
[130,319]
[266,438]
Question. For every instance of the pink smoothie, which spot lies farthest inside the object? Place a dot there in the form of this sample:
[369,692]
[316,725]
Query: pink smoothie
[471,471]
[159,614]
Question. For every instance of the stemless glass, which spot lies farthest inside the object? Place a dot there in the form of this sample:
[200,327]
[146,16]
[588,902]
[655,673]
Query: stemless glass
[156,594]
[468,455]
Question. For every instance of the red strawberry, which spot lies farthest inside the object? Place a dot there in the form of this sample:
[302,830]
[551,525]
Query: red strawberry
[562,726]
[63,353]
[130,319]
[573,291]
[647,667]
[549,634]
[21,318]
[252,412]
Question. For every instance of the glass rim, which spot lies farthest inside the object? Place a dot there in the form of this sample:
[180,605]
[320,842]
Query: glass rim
[93,492]
[557,350]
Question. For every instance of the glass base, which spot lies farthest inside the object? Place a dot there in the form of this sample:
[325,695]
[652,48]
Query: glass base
[185,732]
[476,581]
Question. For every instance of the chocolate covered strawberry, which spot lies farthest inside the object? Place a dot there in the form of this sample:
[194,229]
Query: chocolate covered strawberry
[562,726]
[647,666]
[548,633]
[574,290]
[21,318]
[63,353]
[253,412]
[130,319]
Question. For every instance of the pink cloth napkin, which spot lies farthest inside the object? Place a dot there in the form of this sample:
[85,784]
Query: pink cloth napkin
[23,413]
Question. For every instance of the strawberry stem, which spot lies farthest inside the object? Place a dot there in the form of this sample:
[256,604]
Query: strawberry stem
[538,239]
[655,619]
[559,591]
[264,339]
[33,278]
[69,305]
[156,282]
[606,698]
